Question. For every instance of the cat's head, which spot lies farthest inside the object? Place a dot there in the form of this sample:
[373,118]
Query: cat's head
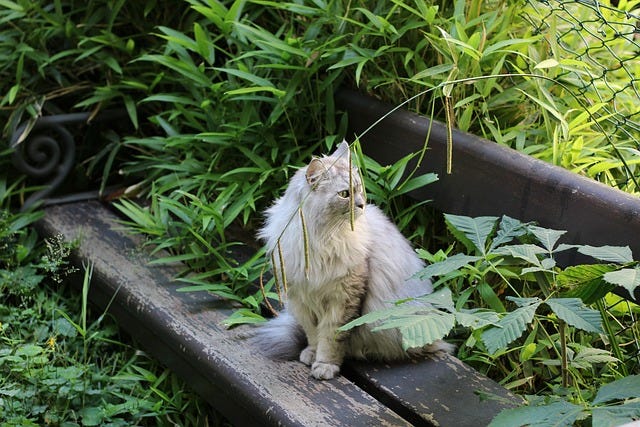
[329,178]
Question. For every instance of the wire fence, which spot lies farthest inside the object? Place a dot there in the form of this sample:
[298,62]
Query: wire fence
[599,42]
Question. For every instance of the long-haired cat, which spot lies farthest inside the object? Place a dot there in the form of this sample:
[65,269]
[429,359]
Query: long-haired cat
[334,272]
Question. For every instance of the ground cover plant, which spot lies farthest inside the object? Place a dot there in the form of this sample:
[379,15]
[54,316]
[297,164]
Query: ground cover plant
[61,363]
[226,98]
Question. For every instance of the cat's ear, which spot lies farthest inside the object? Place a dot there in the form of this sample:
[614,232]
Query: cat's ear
[342,150]
[315,170]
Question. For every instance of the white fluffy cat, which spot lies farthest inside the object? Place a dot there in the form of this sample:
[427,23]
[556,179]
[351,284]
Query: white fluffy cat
[346,272]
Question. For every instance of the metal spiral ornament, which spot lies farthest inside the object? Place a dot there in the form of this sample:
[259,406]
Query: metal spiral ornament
[47,153]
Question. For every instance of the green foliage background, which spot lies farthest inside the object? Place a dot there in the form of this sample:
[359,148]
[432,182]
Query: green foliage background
[225,98]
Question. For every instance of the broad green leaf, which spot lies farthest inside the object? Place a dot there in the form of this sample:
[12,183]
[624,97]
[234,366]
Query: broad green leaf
[586,281]
[617,254]
[575,313]
[527,252]
[624,388]
[378,315]
[587,356]
[29,350]
[546,236]
[510,328]
[453,263]
[553,415]
[524,302]
[628,278]
[476,230]
[441,299]
[476,318]
[420,329]
[616,415]
[508,229]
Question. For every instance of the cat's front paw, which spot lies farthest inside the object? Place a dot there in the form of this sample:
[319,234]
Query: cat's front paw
[324,371]
[308,356]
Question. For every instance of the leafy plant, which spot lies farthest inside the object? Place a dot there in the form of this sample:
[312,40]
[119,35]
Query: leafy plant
[616,403]
[523,307]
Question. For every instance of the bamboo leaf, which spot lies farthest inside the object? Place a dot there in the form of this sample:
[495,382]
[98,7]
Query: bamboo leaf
[575,313]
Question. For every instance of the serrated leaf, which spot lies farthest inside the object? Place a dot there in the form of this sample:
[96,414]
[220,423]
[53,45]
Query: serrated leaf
[453,263]
[624,388]
[575,313]
[508,229]
[440,299]
[546,236]
[617,254]
[616,415]
[524,302]
[378,315]
[526,252]
[475,230]
[586,281]
[589,355]
[477,318]
[421,329]
[510,328]
[628,278]
[553,415]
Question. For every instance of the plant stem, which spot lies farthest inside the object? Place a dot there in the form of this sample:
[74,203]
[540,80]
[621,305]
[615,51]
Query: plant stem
[563,351]
[613,342]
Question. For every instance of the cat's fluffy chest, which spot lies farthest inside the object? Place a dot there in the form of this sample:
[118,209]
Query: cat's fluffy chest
[330,255]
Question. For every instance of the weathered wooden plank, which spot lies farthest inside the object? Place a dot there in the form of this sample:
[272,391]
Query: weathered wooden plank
[490,179]
[442,391]
[184,331]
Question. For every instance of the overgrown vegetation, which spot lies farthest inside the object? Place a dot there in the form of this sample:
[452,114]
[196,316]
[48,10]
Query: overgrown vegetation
[62,364]
[226,98]
[540,328]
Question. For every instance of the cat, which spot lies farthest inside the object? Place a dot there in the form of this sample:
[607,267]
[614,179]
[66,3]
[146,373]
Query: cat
[335,273]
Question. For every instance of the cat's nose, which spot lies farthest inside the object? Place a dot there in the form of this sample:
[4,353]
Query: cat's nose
[359,202]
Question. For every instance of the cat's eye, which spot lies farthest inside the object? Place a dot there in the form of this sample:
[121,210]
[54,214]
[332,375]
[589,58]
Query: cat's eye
[344,194]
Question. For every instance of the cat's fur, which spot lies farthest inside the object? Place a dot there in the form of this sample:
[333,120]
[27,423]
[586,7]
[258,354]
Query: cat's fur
[348,273]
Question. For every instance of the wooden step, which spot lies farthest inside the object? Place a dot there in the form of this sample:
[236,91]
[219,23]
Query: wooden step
[184,331]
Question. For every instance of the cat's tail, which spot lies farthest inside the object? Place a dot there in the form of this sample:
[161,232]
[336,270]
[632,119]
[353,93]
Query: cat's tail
[281,338]
[435,347]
